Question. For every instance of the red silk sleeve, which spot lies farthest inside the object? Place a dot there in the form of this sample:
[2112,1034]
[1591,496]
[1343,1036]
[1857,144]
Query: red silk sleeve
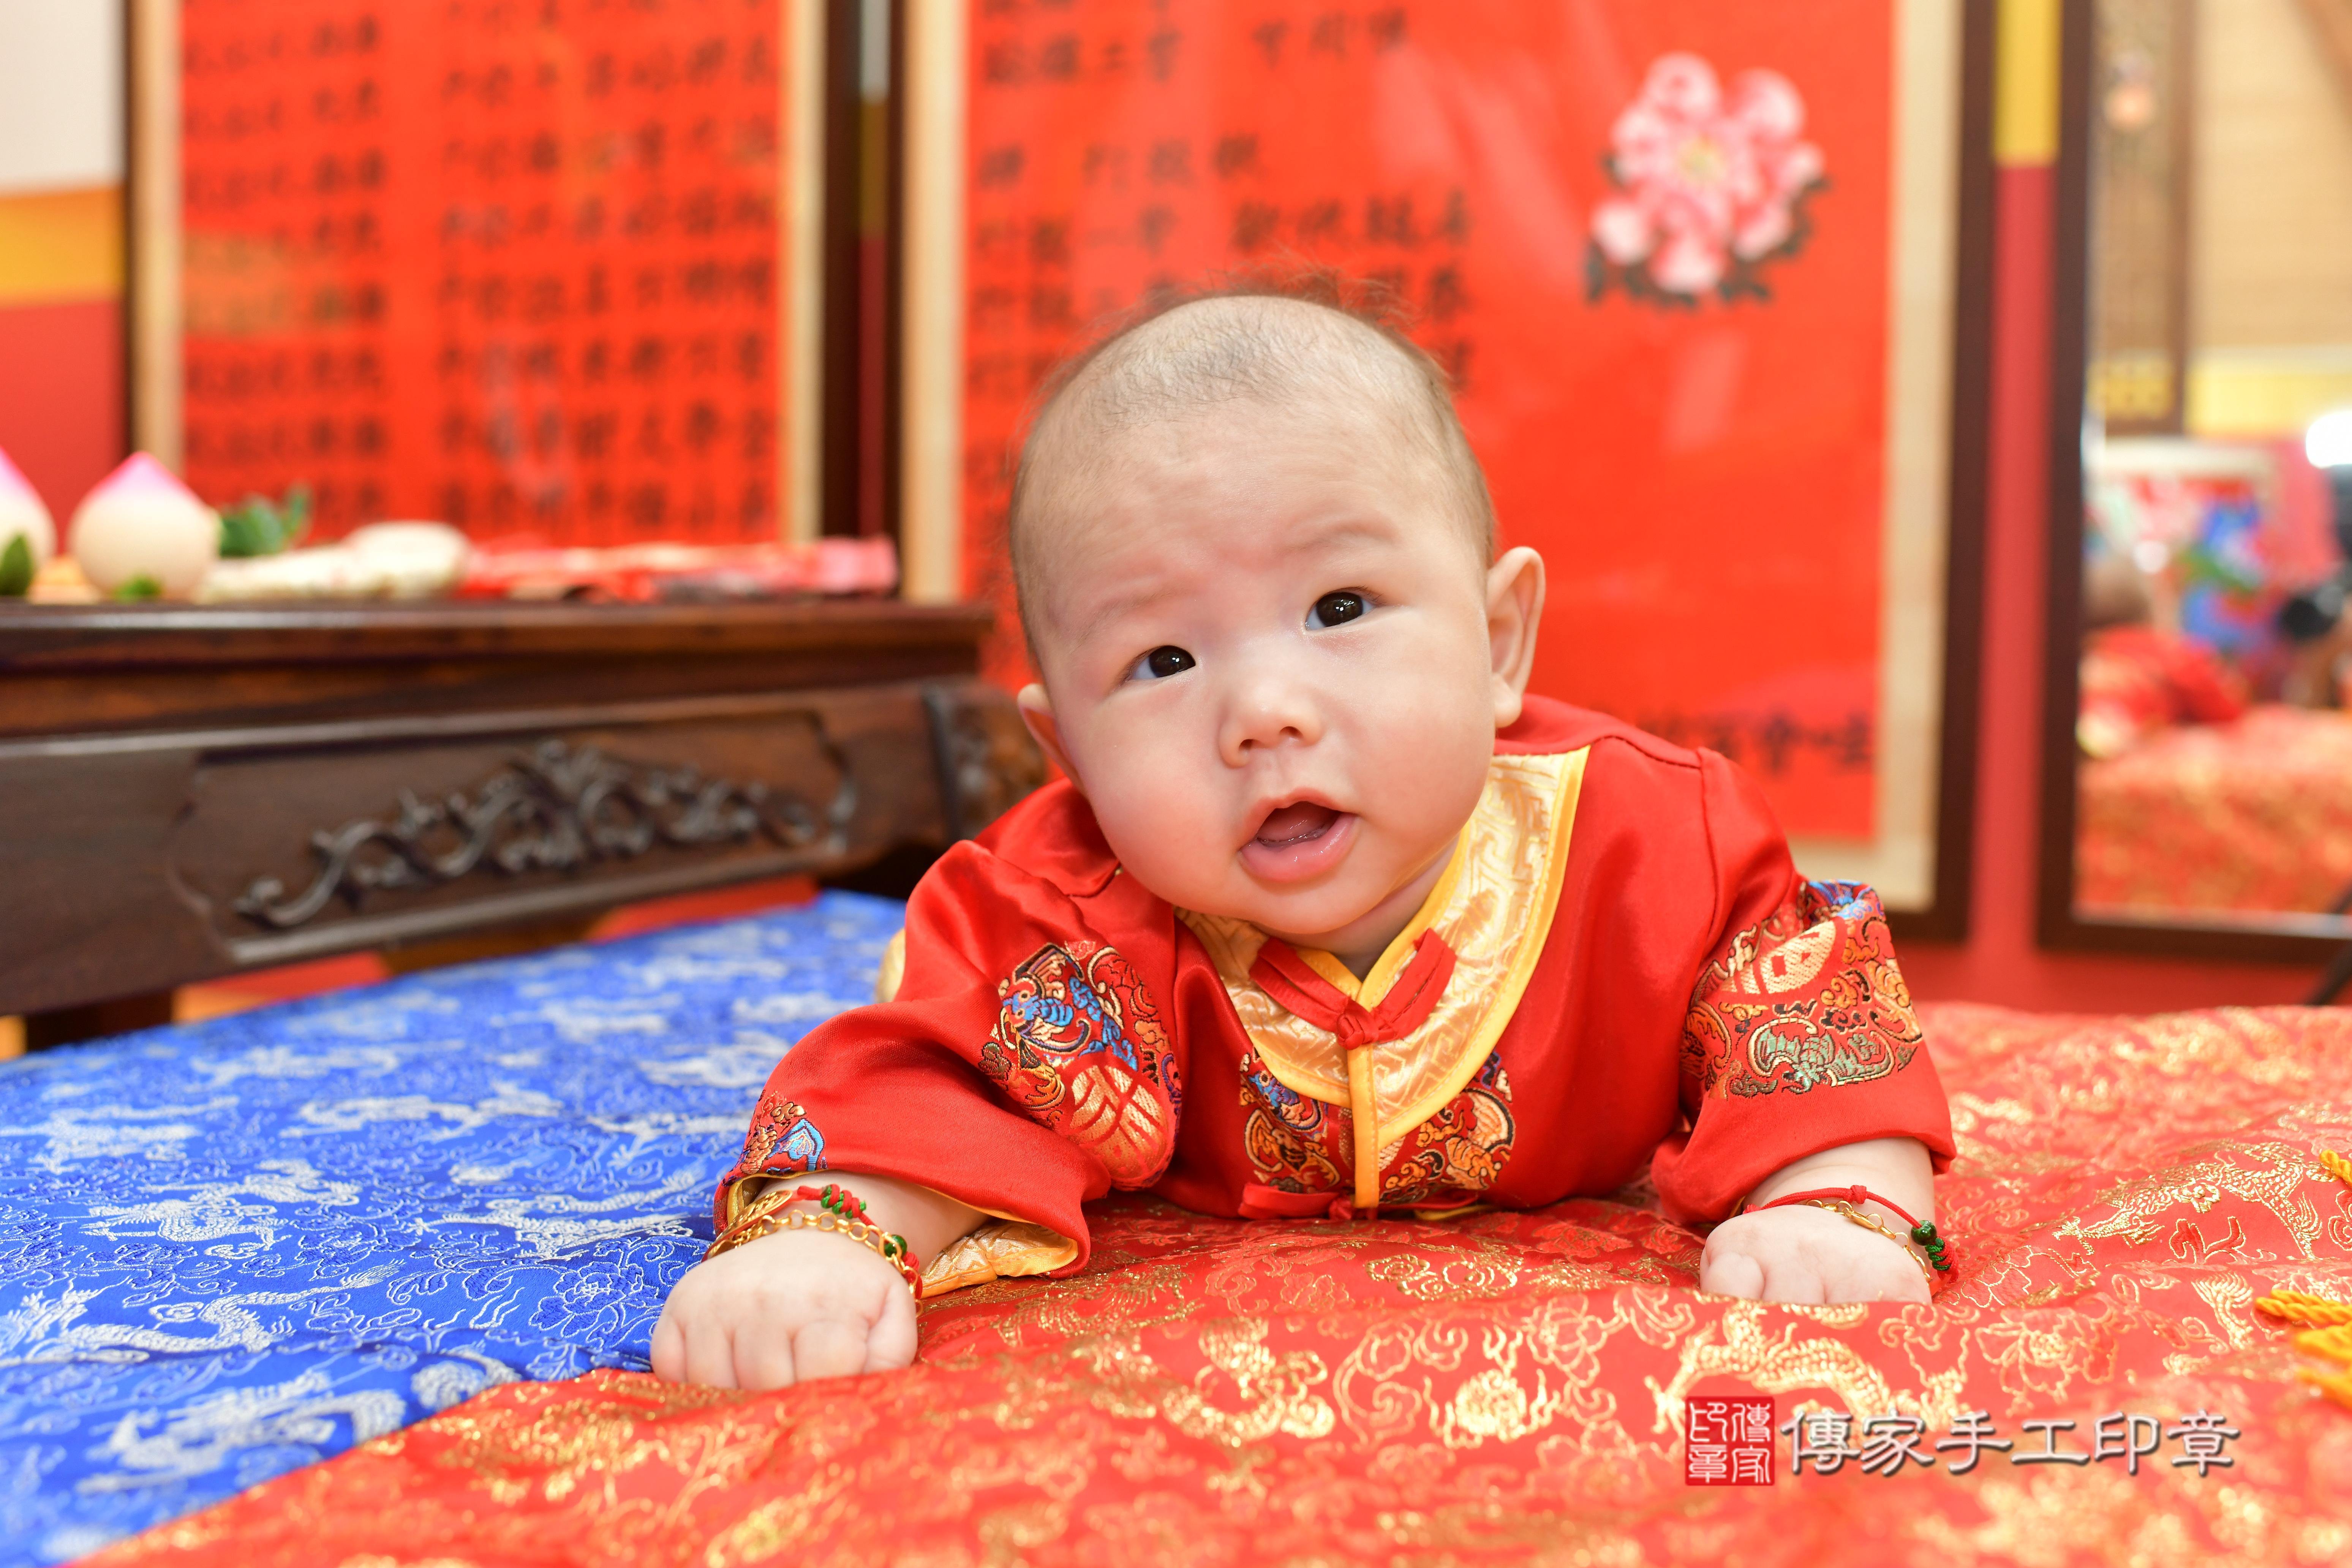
[1801,1036]
[1023,1066]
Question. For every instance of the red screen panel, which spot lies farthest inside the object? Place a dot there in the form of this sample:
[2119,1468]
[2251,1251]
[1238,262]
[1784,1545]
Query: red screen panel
[1651,239]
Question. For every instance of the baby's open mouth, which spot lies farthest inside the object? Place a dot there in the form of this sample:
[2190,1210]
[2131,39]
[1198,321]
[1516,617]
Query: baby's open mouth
[1298,842]
[1296,824]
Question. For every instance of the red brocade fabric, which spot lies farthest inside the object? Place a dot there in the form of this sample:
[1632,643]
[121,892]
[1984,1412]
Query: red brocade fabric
[1509,1387]
[2251,815]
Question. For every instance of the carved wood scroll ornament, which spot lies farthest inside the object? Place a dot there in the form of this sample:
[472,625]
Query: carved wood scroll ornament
[555,809]
[987,761]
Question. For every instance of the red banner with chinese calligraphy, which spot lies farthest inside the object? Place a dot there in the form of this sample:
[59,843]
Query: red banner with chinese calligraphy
[1650,240]
[512,267]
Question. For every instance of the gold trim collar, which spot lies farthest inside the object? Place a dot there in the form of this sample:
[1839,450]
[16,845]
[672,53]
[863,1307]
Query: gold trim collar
[1492,905]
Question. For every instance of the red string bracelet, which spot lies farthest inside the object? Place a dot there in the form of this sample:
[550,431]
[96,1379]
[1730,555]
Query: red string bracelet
[1924,1234]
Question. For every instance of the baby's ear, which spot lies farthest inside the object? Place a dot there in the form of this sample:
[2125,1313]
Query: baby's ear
[1515,602]
[1037,712]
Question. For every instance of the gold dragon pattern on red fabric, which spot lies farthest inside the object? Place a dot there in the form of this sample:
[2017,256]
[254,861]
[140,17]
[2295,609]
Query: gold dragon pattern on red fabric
[1506,1387]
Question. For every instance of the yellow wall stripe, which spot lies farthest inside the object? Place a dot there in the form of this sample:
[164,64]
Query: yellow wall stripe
[2025,83]
[2243,396]
[60,246]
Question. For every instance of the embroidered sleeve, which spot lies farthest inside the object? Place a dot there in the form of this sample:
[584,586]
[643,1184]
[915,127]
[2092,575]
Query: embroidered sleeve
[1799,1035]
[1080,1048]
[1808,998]
[1023,1065]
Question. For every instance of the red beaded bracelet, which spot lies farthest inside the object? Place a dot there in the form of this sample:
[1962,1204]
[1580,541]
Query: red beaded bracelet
[1924,1234]
[840,1210]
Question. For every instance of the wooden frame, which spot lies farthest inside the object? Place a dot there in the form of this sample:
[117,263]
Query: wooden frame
[151,229]
[930,240]
[816,371]
[1937,376]
[2283,938]
[1947,917]
[839,154]
[2160,246]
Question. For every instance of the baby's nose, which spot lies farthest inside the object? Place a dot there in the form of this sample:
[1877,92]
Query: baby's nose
[1267,713]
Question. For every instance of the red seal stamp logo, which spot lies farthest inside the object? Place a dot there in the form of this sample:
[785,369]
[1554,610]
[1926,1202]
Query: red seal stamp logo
[1728,1441]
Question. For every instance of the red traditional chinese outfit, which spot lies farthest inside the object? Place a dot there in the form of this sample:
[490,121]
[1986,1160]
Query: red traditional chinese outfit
[1619,966]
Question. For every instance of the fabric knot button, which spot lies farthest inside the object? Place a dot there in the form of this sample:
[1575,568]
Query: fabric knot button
[1287,977]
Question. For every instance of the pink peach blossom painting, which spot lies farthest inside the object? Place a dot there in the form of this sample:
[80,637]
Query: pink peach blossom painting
[1711,184]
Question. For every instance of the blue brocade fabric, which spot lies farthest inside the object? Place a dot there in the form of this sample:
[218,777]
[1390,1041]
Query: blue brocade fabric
[233,1248]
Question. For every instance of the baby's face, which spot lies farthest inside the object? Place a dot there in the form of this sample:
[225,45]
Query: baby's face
[1265,645]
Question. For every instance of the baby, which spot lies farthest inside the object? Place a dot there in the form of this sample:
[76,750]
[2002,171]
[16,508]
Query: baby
[1331,918]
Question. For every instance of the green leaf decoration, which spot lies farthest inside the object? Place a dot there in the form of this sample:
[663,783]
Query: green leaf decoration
[15,567]
[140,587]
[242,529]
[259,526]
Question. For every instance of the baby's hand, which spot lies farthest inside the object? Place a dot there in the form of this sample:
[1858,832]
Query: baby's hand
[790,1307]
[1803,1254]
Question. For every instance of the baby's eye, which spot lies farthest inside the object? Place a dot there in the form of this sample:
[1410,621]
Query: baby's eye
[1160,663]
[1333,609]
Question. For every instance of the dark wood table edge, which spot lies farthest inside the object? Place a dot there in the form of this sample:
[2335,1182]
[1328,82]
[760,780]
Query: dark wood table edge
[41,639]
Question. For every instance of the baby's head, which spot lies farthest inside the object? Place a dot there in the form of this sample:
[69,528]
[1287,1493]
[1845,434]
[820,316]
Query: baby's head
[1255,556]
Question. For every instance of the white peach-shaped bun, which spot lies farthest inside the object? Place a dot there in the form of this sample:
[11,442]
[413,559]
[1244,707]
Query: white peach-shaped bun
[412,560]
[141,521]
[23,513]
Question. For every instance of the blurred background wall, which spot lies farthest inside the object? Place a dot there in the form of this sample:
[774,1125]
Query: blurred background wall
[2278,273]
[2002,962]
[2271,273]
[61,243]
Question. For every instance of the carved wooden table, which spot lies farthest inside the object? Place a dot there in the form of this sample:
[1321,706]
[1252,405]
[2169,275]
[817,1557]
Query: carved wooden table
[186,792]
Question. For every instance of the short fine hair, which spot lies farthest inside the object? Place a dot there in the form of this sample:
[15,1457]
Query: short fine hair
[1261,339]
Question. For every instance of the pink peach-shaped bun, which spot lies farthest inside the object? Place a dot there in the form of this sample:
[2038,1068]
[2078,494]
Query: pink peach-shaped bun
[22,512]
[141,521]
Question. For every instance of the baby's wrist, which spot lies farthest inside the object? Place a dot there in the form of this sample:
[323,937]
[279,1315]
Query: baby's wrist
[1856,1216]
[1870,1207]
[815,1248]
[788,1207]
